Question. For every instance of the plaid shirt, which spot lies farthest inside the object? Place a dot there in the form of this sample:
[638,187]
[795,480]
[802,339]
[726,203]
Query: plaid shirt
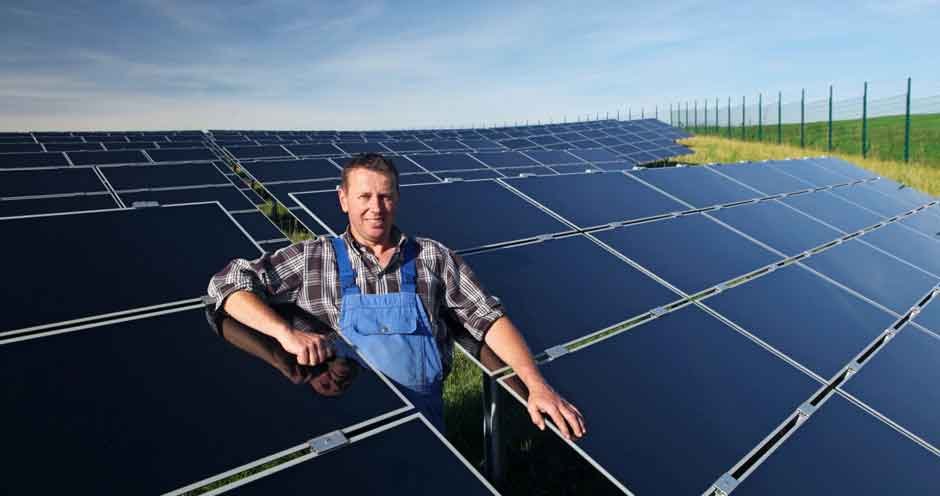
[306,274]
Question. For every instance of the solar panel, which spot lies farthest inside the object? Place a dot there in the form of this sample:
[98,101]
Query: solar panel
[528,171]
[719,255]
[70,147]
[354,148]
[281,191]
[852,445]
[108,157]
[504,159]
[596,156]
[406,146]
[259,227]
[20,147]
[872,200]
[908,245]
[554,157]
[37,182]
[518,144]
[17,160]
[183,402]
[833,210]
[470,174]
[809,319]
[842,168]
[649,406]
[184,145]
[482,144]
[875,275]
[228,195]
[445,145]
[449,161]
[566,288]
[292,170]
[898,191]
[109,255]
[182,155]
[131,177]
[621,198]
[763,178]
[437,211]
[927,222]
[781,227]
[131,146]
[56,204]
[809,172]
[623,165]
[319,149]
[264,151]
[697,186]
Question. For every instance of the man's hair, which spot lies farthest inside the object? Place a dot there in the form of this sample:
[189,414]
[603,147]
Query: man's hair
[370,161]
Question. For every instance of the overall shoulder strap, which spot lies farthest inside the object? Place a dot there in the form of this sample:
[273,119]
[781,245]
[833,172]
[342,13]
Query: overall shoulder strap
[409,275]
[347,276]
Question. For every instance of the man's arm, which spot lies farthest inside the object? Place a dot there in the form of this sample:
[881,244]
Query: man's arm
[504,339]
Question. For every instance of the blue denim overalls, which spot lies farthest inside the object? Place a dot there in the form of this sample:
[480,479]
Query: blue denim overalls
[393,332]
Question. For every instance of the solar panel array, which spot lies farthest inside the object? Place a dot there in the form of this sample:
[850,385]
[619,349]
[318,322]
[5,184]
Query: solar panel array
[286,162]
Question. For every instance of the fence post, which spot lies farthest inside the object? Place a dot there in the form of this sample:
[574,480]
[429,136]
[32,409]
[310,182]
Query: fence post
[687,115]
[642,113]
[629,114]
[779,117]
[865,121]
[907,124]
[671,121]
[706,116]
[743,107]
[618,114]
[829,140]
[656,115]
[760,117]
[695,107]
[729,117]
[802,118]
[717,129]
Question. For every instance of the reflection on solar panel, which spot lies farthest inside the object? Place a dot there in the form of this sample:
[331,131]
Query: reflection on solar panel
[134,400]
[697,186]
[428,464]
[173,249]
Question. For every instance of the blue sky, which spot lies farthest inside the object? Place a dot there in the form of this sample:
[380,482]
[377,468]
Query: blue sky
[297,64]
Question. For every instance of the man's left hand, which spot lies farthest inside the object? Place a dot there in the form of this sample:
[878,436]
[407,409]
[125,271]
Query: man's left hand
[568,419]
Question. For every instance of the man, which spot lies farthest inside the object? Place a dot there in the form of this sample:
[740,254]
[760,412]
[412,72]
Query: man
[385,292]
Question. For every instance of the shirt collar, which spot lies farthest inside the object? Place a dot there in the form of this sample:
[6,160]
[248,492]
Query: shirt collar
[395,234]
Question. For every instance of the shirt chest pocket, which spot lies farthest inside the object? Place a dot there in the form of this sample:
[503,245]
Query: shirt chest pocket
[385,320]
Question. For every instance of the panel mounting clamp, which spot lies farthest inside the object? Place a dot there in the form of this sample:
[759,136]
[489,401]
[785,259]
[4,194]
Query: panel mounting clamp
[658,311]
[328,442]
[726,484]
[145,204]
[544,237]
[556,352]
[805,410]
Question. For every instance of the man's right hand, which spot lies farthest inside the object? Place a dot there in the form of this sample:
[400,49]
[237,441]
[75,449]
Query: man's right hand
[310,349]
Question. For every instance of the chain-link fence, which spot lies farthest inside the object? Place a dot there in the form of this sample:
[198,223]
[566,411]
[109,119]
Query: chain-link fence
[900,126]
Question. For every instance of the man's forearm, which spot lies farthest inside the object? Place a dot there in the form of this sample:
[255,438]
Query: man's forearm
[247,308]
[506,341]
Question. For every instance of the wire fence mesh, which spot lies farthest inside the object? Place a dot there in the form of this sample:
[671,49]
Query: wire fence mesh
[878,123]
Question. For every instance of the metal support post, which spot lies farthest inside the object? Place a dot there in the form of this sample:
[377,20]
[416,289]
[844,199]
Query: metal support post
[803,118]
[779,117]
[907,124]
[760,117]
[865,121]
[493,456]
[829,128]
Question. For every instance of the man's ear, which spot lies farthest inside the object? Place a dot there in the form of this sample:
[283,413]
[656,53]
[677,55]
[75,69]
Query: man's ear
[342,199]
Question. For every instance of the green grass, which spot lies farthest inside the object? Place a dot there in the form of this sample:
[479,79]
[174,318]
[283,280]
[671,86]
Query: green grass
[885,136]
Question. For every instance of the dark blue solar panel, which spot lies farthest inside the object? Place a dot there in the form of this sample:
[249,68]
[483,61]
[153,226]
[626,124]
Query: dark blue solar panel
[59,139]
[470,174]
[273,246]
[698,186]
[615,197]
[361,147]
[449,161]
[17,160]
[252,195]
[558,146]
[406,146]
[77,203]
[873,274]
[281,191]
[182,155]
[590,299]
[504,159]
[259,227]
[416,179]
[929,317]
[439,211]
[926,221]
[841,167]
[482,144]
[899,192]
[777,225]
[842,449]
[314,149]
[545,140]
[528,171]
[831,209]
[518,144]
[663,247]
[68,147]
[146,145]
[108,157]
[648,407]
[627,148]
[265,151]
[228,196]
[20,147]
[49,182]
[765,179]
[907,245]
[445,144]
[390,466]
[293,170]
[125,177]
[809,172]
[173,145]
[573,169]
[554,157]
[110,253]
[811,320]
[139,404]
[597,155]
[872,200]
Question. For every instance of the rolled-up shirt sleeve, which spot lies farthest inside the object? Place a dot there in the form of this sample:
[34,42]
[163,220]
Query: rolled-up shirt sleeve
[470,302]
[275,277]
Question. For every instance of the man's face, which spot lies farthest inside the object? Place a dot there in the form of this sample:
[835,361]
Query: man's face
[369,199]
